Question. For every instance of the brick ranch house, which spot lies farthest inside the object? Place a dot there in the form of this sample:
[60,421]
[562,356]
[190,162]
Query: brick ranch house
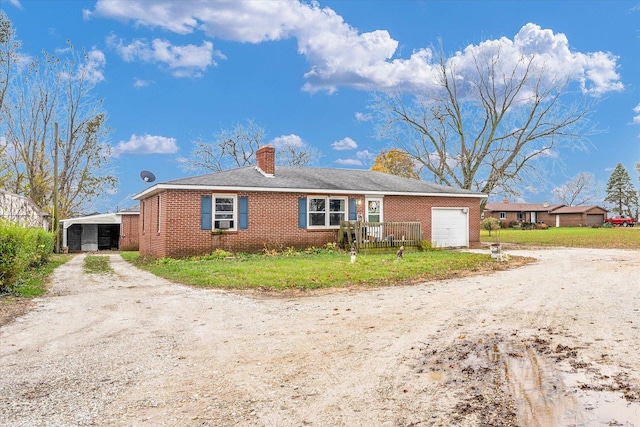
[250,208]
[551,215]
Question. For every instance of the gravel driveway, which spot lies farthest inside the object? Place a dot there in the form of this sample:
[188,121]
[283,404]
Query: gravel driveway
[551,343]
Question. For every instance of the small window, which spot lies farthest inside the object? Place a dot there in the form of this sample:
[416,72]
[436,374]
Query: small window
[520,216]
[326,212]
[224,212]
[503,215]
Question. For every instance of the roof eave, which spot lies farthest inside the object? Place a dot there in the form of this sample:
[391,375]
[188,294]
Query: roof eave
[158,188]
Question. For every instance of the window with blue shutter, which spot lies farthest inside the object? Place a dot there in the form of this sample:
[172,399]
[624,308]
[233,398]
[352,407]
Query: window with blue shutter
[205,213]
[353,210]
[243,213]
[302,212]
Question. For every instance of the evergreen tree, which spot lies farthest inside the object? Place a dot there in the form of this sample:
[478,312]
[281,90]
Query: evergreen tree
[621,193]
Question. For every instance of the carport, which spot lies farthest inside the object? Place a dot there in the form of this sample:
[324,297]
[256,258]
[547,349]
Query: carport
[92,233]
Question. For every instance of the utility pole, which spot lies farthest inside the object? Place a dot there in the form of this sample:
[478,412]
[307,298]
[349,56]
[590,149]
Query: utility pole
[56,220]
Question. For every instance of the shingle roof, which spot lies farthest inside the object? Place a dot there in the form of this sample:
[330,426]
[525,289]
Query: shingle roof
[520,207]
[578,209]
[539,207]
[135,209]
[301,179]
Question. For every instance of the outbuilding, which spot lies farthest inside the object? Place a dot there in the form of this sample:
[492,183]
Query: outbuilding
[107,231]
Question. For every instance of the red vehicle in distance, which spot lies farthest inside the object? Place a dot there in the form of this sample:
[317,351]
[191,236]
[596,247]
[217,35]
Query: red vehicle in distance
[621,220]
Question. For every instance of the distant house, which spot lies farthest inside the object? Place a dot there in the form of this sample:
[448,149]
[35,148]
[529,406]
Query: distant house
[22,211]
[109,231]
[250,208]
[551,215]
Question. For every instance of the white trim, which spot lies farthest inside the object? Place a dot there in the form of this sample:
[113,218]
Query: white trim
[160,187]
[235,211]
[368,199]
[108,218]
[267,175]
[327,212]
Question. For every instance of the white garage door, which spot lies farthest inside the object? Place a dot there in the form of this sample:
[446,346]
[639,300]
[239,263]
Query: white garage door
[450,227]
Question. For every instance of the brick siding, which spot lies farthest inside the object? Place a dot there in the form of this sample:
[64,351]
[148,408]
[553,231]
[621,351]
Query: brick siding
[273,222]
[129,233]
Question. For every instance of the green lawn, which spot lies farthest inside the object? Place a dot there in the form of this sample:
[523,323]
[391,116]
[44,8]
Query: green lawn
[97,264]
[33,283]
[581,237]
[318,270]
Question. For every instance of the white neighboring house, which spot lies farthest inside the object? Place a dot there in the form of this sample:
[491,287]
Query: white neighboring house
[22,211]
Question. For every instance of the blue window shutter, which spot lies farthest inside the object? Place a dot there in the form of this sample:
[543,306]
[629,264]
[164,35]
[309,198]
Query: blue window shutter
[243,213]
[302,212]
[353,210]
[205,213]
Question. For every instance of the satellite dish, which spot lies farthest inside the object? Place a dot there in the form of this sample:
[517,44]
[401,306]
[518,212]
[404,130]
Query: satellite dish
[147,176]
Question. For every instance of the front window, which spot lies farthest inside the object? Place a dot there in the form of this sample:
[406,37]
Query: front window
[520,216]
[224,212]
[503,215]
[327,212]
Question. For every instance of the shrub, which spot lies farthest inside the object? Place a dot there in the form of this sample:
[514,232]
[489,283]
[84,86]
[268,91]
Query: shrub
[20,249]
[490,224]
[426,245]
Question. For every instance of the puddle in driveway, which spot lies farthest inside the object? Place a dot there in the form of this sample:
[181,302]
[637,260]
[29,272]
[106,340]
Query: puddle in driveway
[538,390]
[546,396]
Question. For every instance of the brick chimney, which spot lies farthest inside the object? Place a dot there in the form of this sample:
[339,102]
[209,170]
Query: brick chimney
[266,160]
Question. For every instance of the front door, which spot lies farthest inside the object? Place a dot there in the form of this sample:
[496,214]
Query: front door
[374,214]
[374,209]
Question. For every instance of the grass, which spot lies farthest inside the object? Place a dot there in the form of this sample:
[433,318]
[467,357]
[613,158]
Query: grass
[97,264]
[580,237]
[315,271]
[33,283]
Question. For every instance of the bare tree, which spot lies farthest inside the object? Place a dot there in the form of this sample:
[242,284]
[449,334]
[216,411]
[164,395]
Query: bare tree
[57,90]
[581,190]
[233,148]
[230,148]
[291,150]
[296,155]
[483,127]
[9,47]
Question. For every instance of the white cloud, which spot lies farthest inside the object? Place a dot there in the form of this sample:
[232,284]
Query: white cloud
[344,144]
[348,162]
[339,55]
[140,83]
[90,70]
[363,117]
[287,141]
[365,155]
[636,118]
[93,67]
[146,144]
[184,61]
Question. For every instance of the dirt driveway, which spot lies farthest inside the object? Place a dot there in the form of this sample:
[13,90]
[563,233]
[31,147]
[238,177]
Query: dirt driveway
[553,343]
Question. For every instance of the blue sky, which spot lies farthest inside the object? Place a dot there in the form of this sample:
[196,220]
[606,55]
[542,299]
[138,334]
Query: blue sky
[171,72]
